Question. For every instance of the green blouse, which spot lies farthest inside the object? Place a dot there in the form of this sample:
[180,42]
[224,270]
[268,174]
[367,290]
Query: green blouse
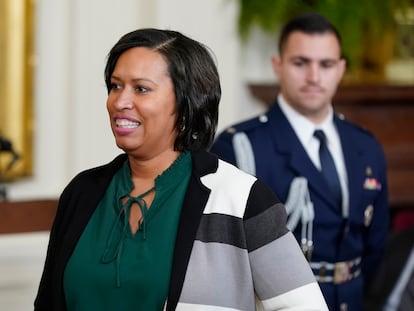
[113,269]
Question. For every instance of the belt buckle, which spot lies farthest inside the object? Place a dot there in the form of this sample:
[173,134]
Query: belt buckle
[323,272]
[341,272]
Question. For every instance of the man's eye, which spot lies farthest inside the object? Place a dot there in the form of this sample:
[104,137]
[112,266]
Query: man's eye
[327,64]
[299,63]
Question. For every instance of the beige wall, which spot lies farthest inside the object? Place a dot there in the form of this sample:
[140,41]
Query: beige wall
[73,38]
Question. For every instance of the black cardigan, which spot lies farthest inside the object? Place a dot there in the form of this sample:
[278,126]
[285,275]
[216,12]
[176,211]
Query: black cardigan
[78,202]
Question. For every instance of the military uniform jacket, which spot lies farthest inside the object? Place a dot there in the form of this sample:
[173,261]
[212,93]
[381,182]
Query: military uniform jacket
[279,158]
[232,246]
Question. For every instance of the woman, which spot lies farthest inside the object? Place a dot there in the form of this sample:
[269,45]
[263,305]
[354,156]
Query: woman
[167,225]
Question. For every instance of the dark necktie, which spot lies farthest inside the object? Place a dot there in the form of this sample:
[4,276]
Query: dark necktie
[328,168]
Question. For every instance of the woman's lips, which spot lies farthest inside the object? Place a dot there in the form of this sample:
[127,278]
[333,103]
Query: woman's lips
[124,126]
[125,123]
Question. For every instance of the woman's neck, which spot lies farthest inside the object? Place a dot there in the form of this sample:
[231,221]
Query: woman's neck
[144,171]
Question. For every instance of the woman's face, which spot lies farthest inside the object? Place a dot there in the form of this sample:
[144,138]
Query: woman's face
[141,104]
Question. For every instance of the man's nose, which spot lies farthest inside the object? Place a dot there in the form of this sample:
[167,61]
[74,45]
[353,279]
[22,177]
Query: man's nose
[313,73]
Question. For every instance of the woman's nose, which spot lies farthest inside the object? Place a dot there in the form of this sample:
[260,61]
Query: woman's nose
[124,100]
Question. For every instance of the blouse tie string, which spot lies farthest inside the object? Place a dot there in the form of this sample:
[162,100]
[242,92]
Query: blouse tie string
[113,250]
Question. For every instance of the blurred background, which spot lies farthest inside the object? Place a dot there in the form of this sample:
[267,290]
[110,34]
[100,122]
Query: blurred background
[53,119]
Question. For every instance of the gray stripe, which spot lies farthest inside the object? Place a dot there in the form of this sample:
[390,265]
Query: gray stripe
[280,260]
[266,227]
[219,275]
[222,229]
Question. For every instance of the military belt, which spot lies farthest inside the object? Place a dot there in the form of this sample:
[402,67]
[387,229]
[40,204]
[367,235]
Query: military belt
[337,273]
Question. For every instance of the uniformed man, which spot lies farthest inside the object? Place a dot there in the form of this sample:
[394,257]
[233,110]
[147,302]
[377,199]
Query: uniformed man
[330,173]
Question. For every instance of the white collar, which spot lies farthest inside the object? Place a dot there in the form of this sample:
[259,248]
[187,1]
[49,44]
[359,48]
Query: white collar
[302,126]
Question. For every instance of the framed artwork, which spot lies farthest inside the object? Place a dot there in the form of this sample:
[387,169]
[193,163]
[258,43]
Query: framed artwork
[16,79]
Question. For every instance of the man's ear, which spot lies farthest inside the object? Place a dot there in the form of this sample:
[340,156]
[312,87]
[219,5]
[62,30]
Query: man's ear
[276,61]
[342,68]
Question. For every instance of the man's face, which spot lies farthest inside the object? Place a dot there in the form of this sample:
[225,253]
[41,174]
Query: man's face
[309,71]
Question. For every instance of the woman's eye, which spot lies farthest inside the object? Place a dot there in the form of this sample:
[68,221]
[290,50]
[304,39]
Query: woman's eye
[115,86]
[142,89]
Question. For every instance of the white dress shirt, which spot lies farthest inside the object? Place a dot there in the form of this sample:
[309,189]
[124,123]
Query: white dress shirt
[304,130]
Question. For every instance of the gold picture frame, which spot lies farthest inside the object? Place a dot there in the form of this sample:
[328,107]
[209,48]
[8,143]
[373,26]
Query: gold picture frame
[16,92]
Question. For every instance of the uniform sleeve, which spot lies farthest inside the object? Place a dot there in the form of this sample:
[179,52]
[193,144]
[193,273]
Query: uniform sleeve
[378,229]
[282,277]
[223,147]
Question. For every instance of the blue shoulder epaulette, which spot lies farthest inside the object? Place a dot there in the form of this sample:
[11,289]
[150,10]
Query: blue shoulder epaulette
[355,126]
[247,125]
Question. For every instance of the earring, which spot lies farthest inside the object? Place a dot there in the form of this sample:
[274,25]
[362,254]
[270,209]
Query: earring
[182,127]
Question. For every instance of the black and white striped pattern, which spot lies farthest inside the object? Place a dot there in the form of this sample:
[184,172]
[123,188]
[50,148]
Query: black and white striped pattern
[243,249]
